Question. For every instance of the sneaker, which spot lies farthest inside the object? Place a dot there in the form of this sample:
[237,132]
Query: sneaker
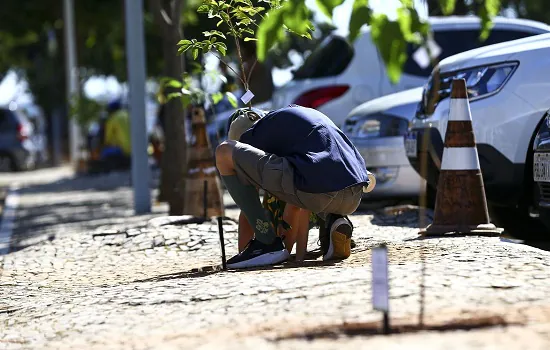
[257,253]
[335,237]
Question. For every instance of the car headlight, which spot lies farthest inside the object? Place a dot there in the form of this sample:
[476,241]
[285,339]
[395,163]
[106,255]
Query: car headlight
[375,126]
[481,82]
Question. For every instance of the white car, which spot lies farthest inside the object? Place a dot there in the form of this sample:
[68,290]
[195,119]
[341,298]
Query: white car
[508,86]
[339,76]
[377,128]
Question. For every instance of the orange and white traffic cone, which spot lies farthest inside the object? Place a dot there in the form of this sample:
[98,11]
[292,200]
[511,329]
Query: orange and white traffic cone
[461,206]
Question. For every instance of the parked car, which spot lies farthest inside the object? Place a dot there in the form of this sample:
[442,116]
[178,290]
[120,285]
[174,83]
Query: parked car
[377,128]
[508,86]
[39,137]
[541,171]
[17,149]
[338,76]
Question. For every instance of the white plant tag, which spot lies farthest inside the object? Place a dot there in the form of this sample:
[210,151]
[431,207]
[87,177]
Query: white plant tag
[435,50]
[247,97]
[421,57]
[380,285]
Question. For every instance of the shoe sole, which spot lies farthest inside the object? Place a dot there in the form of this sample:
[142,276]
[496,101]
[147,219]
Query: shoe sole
[340,240]
[372,183]
[262,260]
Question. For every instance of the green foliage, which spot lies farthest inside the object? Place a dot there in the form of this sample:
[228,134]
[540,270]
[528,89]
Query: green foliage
[390,36]
[486,12]
[241,19]
[447,6]
[327,6]
[291,16]
[189,93]
[360,14]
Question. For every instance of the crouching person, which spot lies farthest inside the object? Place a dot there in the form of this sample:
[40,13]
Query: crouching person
[299,156]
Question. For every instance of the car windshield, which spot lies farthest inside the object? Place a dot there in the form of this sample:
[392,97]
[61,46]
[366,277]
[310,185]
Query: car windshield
[329,59]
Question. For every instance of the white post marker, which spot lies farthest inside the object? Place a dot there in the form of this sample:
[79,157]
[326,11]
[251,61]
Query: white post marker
[380,284]
[247,97]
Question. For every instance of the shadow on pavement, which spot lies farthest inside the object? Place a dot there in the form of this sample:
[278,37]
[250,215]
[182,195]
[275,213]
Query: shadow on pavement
[89,204]
[350,329]
[212,269]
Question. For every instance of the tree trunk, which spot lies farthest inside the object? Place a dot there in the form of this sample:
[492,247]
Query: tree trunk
[174,159]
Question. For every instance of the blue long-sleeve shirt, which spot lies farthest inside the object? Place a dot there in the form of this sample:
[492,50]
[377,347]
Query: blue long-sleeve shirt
[324,159]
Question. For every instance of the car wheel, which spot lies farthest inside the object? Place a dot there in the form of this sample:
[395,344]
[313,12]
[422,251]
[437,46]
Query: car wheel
[7,164]
[517,222]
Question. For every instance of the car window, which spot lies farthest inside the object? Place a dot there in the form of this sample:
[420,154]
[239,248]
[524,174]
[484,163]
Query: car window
[453,42]
[329,59]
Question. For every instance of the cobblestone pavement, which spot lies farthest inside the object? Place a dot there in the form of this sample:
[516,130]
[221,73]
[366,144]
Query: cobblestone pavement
[85,273]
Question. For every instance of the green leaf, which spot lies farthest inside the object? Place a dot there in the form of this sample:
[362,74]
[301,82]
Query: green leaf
[246,2]
[173,95]
[214,33]
[447,6]
[292,14]
[486,12]
[270,29]
[412,28]
[216,97]
[296,16]
[391,43]
[225,17]
[246,30]
[173,83]
[184,45]
[327,6]
[195,53]
[232,99]
[221,47]
[360,15]
[203,9]
[250,39]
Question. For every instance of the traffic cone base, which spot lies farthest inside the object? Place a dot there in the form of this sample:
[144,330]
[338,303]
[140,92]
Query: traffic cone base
[460,205]
[203,191]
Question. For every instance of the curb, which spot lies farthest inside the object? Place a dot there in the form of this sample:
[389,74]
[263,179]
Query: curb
[520,245]
[11,202]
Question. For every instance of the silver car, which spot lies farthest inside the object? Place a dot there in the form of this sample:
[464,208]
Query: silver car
[377,129]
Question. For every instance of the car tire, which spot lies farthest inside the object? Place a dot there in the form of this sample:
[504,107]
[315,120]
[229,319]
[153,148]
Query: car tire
[517,222]
[7,164]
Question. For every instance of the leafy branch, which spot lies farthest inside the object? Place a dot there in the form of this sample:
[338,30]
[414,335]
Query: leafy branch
[240,19]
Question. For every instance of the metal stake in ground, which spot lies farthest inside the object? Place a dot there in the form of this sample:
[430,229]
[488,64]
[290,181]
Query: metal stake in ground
[380,285]
[222,241]
[205,199]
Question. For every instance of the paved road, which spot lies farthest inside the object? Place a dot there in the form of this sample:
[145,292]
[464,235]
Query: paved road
[85,273]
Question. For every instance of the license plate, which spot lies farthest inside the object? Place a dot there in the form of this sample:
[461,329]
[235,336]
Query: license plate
[541,167]
[410,144]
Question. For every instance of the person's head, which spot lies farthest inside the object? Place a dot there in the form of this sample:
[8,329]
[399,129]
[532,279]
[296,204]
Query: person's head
[241,120]
[114,105]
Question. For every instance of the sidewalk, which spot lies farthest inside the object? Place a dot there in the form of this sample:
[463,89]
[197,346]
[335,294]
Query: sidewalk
[84,273]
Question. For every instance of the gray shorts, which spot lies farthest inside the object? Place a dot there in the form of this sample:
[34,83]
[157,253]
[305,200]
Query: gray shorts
[275,175]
